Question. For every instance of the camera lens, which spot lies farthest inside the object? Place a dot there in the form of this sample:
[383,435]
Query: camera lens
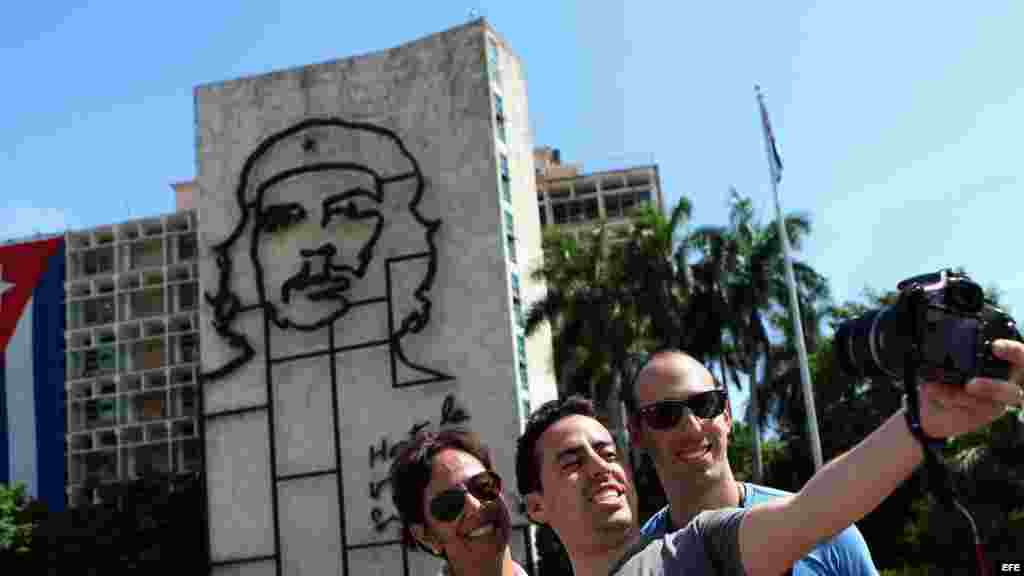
[852,347]
[872,345]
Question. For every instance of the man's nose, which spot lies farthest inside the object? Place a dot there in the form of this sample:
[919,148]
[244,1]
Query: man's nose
[689,423]
[596,465]
[473,506]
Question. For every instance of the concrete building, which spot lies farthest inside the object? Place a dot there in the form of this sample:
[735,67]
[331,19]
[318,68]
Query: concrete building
[132,353]
[185,195]
[366,230]
[574,200]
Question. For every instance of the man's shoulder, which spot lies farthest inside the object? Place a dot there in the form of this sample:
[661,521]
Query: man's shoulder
[678,552]
[656,526]
[758,493]
[846,552]
[709,544]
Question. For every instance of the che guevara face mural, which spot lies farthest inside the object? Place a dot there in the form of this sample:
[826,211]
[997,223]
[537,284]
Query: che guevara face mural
[330,213]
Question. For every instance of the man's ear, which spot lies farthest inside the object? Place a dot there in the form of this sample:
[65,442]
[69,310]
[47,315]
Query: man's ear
[727,415]
[424,537]
[535,509]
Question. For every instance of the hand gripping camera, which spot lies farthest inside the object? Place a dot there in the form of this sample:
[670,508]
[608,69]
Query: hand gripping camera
[941,320]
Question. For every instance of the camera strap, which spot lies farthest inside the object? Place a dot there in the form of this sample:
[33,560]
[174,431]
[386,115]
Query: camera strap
[938,474]
[939,481]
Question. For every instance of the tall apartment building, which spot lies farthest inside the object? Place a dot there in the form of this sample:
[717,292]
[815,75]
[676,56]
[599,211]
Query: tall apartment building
[574,200]
[132,353]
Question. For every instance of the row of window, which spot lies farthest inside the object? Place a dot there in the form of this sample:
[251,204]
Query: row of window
[589,186]
[586,209]
[505,184]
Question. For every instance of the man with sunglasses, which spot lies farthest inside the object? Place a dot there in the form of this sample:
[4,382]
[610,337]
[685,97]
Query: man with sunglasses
[573,480]
[681,418]
[451,505]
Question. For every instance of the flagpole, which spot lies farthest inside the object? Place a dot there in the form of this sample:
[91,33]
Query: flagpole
[774,168]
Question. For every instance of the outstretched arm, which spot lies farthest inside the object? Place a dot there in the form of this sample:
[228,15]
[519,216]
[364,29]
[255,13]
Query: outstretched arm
[776,534]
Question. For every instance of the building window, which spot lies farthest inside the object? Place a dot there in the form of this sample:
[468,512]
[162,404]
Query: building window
[560,212]
[499,115]
[644,196]
[517,303]
[628,202]
[586,188]
[492,61]
[187,247]
[521,353]
[99,261]
[612,206]
[506,179]
[511,240]
[543,216]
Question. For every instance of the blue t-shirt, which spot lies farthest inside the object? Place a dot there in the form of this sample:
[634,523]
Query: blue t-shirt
[845,554]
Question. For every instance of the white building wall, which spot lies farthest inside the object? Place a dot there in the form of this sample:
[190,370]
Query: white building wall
[298,434]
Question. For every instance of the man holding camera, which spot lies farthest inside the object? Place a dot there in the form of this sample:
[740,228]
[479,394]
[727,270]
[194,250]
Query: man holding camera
[681,418]
[573,480]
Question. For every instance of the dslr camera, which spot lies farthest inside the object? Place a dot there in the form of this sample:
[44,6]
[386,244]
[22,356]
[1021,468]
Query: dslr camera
[941,320]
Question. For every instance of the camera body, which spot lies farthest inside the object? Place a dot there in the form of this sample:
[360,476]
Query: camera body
[943,319]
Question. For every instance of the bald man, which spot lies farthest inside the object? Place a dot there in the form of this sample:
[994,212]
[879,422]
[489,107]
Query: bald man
[681,417]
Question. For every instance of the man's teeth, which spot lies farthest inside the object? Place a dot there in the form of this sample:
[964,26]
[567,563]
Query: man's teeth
[699,451]
[608,494]
[485,529]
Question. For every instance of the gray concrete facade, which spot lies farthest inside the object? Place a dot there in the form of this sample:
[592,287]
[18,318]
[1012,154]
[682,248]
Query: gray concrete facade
[357,285]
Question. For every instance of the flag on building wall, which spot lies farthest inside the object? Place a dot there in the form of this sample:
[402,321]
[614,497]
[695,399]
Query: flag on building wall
[32,368]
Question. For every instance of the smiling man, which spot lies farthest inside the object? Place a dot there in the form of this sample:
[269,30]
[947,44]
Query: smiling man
[573,480]
[681,418]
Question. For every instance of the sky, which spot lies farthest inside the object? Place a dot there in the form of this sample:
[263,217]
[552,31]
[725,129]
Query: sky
[899,124]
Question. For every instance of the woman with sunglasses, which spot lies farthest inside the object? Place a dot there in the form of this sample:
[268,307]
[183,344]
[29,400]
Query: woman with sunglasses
[450,501]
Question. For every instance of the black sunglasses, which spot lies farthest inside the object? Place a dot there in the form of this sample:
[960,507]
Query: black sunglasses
[666,414]
[448,505]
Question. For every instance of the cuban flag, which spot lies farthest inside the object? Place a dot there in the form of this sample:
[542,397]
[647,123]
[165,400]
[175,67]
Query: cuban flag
[32,368]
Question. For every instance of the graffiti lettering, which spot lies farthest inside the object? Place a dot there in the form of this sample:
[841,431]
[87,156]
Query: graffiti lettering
[376,487]
[380,523]
[417,427]
[452,414]
[385,452]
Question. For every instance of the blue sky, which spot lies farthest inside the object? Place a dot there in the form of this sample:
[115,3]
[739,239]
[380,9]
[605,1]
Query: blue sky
[899,124]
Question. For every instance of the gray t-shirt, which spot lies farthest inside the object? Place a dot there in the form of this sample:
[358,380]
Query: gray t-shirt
[708,545]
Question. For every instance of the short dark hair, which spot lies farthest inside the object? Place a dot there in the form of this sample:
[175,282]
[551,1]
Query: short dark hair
[527,460]
[411,470]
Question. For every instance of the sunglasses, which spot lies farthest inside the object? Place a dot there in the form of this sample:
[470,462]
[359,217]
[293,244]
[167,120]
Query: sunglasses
[667,413]
[448,505]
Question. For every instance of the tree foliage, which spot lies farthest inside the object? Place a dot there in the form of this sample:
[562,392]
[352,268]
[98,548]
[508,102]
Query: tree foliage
[17,519]
[910,531]
[151,524]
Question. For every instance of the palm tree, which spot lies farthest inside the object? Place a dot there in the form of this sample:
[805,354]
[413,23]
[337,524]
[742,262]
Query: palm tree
[743,265]
[587,305]
[658,283]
